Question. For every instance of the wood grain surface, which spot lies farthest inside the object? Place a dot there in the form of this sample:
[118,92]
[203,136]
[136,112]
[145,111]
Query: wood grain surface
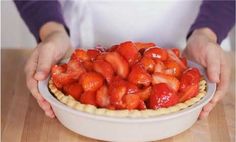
[22,120]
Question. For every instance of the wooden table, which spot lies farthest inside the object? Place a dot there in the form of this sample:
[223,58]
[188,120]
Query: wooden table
[23,121]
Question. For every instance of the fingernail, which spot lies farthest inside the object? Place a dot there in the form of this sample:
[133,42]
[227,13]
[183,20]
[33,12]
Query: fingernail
[50,114]
[46,106]
[216,77]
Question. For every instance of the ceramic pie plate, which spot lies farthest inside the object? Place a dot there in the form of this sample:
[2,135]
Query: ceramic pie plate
[146,127]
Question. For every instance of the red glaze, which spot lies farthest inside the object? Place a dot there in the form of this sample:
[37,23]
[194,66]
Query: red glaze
[139,76]
[129,52]
[156,53]
[73,89]
[172,82]
[104,68]
[88,97]
[91,81]
[162,96]
[119,64]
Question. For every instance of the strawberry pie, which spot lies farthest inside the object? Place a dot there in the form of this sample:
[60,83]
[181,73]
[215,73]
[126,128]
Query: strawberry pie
[132,79]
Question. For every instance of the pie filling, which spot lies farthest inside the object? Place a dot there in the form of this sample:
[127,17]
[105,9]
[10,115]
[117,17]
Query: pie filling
[131,79]
[71,102]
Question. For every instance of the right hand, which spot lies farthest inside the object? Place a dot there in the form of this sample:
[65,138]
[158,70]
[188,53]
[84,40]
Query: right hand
[54,46]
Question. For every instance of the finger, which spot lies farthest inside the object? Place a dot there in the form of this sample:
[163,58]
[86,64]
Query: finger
[218,96]
[209,106]
[225,72]
[44,105]
[50,114]
[213,66]
[184,53]
[203,115]
[30,70]
[45,61]
[69,53]
[32,85]
[206,110]
[224,78]
[47,108]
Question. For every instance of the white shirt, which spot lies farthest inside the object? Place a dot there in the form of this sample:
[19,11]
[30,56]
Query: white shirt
[108,22]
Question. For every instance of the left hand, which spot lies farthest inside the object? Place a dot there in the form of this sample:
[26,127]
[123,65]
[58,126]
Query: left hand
[203,49]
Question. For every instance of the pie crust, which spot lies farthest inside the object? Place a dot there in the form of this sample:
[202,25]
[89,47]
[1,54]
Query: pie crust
[71,102]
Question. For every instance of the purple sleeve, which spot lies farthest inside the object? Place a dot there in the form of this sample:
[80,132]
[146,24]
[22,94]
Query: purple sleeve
[37,13]
[219,16]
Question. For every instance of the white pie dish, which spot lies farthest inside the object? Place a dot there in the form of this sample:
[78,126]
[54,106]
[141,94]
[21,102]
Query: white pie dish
[128,129]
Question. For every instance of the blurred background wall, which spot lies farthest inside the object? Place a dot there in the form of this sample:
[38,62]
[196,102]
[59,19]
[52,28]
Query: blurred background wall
[15,34]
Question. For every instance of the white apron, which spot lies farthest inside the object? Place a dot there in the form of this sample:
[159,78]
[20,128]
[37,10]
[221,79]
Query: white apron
[107,22]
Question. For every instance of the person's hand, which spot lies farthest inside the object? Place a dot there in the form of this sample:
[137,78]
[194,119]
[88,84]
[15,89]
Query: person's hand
[203,49]
[55,45]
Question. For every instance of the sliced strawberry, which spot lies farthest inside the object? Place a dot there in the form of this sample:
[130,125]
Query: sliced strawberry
[129,52]
[112,48]
[189,77]
[104,68]
[117,89]
[159,66]
[88,97]
[176,51]
[73,89]
[144,93]
[58,69]
[73,66]
[62,76]
[131,88]
[144,45]
[75,69]
[139,76]
[156,53]
[142,105]
[117,79]
[162,96]
[62,79]
[88,65]
[173,68]
[131,101]
[91,81]
[101,56]
[172,56]
[148,64]
[189,92]
[111,107]
[93,53]
[171,81]
[80,55]
[57,83]
[119,64]
[184,60]
[102,97]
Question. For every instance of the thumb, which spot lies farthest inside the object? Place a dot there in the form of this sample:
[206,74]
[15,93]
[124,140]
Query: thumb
[213,68]
[45,61]
[186,53]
